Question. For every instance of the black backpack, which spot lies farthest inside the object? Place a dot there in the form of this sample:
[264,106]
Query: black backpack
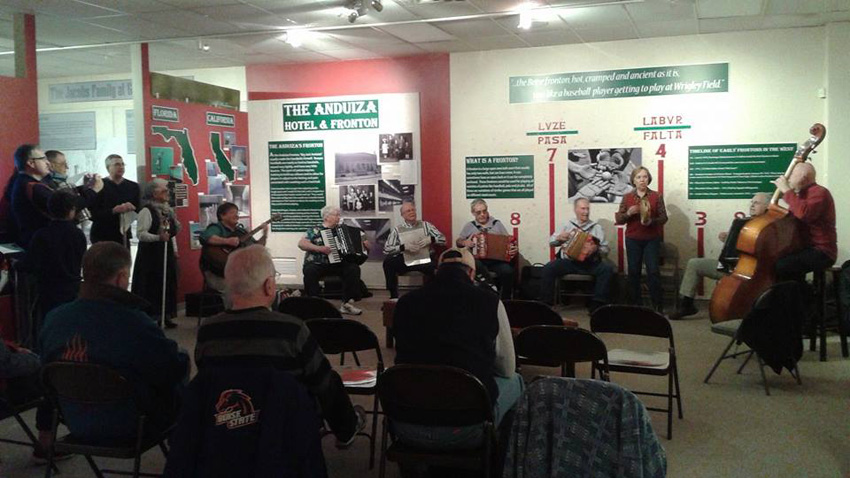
[529,282]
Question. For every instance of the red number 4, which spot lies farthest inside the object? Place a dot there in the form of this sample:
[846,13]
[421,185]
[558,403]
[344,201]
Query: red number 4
[662,151]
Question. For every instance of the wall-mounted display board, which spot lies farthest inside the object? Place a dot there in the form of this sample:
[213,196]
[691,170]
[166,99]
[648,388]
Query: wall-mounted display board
[68,131]
[84,91]
[502,177]
[297,183]
[736,171]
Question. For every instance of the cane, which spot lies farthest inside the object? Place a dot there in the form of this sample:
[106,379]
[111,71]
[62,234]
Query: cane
[166,223]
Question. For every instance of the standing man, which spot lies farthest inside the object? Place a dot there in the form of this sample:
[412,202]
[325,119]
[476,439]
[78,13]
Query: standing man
[593,264]
[317,264]
[394,249]
[226,232]
[118,196]
[58,179]
[811,204]
[699,267]
[483,222]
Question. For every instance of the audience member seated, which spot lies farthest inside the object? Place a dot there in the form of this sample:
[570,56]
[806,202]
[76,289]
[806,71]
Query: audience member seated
[450,321]
[395,247]
[596,248]
[56,254]
[251,334]
[19,369]
[317,264]
[106,326]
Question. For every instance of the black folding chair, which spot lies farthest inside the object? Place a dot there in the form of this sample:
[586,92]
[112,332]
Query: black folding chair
[564,346]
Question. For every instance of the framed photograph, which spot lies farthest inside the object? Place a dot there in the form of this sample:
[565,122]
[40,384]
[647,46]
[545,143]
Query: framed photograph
[395,147]
[391,193]
[356,168]
[359,199]
[239,161]
[601,175]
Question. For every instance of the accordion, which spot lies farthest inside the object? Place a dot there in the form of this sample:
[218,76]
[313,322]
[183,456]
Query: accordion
[345,243]
[492,246]
[578,247]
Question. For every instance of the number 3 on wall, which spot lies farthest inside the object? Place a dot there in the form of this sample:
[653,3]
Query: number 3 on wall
[515,219]
[701,219]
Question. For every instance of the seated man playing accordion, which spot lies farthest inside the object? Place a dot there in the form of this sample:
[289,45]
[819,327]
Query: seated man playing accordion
[473,231]
[584,257]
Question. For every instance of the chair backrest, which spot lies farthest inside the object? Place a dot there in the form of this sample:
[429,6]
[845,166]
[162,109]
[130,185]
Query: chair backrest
[416,394]
[336,336]
[556,343]
[306,308]
[525,313]
[86,383]
[631,320]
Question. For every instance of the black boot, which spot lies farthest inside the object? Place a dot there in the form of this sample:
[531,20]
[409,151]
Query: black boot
[686,309]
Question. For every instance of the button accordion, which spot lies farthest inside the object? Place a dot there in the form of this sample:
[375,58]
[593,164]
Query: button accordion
[578,247]
[492,246]
[345,243]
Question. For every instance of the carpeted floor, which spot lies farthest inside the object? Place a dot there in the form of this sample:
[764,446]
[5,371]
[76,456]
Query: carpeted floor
[730,428]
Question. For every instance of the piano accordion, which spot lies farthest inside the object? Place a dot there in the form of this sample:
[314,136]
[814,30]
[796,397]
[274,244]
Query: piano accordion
[578,247]
[345,243]
[492,246]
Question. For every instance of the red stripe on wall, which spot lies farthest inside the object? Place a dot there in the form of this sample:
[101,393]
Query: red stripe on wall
[551,206]
[621,248]
[700,253]
[660,176]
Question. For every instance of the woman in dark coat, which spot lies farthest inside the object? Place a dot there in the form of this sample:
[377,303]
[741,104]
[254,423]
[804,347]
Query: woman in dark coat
[157,227]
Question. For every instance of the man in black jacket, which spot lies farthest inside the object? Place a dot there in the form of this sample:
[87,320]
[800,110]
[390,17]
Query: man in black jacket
[118,196]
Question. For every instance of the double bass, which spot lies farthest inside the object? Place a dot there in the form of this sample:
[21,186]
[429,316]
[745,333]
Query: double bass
[762,241]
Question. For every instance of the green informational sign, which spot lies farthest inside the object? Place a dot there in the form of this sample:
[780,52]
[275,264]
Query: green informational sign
[500,177]
[736,171]
[220,119]
[627,83]
[330,115]
[161,113]
[297,183]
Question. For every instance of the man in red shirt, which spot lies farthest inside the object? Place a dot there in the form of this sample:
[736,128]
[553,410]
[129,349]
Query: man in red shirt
[813,206]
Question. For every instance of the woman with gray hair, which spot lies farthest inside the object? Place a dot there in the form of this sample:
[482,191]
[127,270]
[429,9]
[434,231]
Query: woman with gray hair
[118,196]
[157,227]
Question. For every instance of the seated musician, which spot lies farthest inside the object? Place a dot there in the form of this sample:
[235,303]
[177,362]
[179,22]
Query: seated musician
[483,222]
[813,206]
[395,247]
[699,267]
[593,264]
[226,232]
[317,264]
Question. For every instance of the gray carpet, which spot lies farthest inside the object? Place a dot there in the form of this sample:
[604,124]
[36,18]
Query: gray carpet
[730,429]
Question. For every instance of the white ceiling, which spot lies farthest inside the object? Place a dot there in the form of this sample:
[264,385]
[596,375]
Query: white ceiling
[242,32]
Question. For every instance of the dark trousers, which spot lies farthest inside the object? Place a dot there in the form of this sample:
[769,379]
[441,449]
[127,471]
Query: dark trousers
[23,389]
[646,252]
[504,275]
[394,265]
[795,266]
[349,271]
[601,271]
[336,409]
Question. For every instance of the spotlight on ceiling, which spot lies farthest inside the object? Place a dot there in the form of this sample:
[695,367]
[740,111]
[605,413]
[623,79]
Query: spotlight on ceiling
[353,16]
[525,21]
[203,46]
[377,5]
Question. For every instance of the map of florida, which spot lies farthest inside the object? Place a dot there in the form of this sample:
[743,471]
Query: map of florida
[186,151]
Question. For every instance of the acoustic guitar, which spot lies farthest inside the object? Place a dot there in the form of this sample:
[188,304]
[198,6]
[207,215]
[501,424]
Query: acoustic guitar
[215,257]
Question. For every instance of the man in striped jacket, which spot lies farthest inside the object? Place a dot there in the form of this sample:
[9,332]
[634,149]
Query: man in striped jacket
[396,245]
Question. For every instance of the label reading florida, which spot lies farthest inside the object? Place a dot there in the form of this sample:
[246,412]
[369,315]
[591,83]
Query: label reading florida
[330,115]
[161,113]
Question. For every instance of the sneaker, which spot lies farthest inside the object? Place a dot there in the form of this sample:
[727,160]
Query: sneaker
[348,308]
[39,457]
[170,324]
[361,424]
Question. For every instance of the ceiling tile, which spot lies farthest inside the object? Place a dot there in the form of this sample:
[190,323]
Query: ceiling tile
[439,9]
[483,27]
[417,32]
[661,11]
[71,9]
[234,13]
[132,6]
[190,22]
[364,37]
[445,46]
[546,20]
[65,32]
[136,27]
[492,6]
[198,3]
[563,37]
[663,29]
[606,34]
[352,54]
[495,43]
[791,7]
[595,17]
[402,49]
[791,21]
[733,24]
[837,5]
[392,12]
[728,8]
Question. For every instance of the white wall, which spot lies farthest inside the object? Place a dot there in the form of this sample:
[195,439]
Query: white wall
[774,78]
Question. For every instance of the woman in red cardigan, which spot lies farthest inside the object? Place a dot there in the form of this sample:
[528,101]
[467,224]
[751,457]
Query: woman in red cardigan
[644,214]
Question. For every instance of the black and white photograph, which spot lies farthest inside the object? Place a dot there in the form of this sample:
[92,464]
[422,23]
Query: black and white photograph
[391,193]
[229,139]
[207,204]
[601,175]
[395,147]
[356,168]
[377,231]
[212,168]
[239,161]
[242,198]
[355,200]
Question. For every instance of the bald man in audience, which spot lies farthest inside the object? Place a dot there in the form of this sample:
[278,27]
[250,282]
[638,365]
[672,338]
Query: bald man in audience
[813,206]
[699,267]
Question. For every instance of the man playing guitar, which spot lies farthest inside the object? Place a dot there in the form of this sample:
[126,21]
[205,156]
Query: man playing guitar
[226,232]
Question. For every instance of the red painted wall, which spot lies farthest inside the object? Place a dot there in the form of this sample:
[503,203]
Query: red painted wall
[19,106]
[427,75]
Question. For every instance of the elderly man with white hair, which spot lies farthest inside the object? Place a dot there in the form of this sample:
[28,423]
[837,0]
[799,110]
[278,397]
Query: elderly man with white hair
[317,264]
[250,334]
[118,196]
[394,262]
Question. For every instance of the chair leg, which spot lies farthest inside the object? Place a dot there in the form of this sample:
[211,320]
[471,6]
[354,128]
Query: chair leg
[94,467]
[382,466]
[374,436]
[720,359]
[164,449]
[678,390]
[669,406]
[763,376]
[746,361]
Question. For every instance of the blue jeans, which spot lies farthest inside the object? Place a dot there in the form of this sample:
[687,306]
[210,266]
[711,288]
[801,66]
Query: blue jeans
[467,437]
[600,270]
[647,252]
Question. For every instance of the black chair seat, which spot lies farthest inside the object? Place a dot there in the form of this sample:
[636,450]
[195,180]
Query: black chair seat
[464,459]
[114,448]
